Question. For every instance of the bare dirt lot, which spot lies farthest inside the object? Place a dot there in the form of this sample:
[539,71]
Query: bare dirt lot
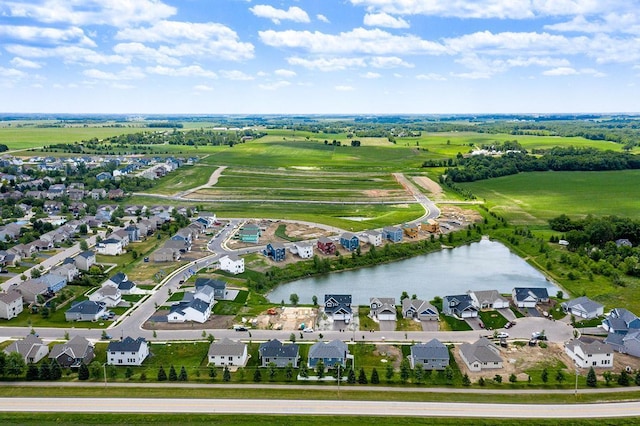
[214,322]
[292,230]
[288,318]
[430,185]
[392,353]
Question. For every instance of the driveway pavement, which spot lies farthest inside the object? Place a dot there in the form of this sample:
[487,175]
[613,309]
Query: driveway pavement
[387,325]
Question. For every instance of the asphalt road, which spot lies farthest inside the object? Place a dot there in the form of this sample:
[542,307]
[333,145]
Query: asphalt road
[319,407]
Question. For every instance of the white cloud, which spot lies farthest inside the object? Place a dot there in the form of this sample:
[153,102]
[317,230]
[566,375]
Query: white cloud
[12,73]
[609,23]
[142,52]
[235,75]
[431,76]
[43,35]
[24,63]
[68,54]
[389,62]
[371,75]
[322,18]
[285,73]
[129,73]
[384,20]
[118,13]
[328,64]
[202,88]
[358,40]
[569,71]
[191,39]
[344,88]
[190,71]
[294,13]
[274,86]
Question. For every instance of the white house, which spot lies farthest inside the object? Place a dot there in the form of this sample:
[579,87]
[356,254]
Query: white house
[302,249]
[108,294]
[232,263]
[583,307]
[587,353]
[488,299]
[227,352]
[382,308]
[32,348]
[481,355]
[85,260]
[195,310]
[127,351]
[10,304]
[374,238]
[111,247]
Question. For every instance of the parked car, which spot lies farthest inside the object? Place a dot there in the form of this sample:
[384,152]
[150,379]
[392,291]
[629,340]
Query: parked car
[241,328]
[538,335]
[502,335]
[308,330]
[510,324]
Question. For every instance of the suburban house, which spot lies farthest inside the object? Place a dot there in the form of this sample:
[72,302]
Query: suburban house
[382,308]
[410,230]
[374,238]
[481,355]
[620,321]
[303,249]
[460,306]
[32,348]
[419,309]
[133,232]
[587,353]
[108,295]
[529,297]
[76,351]
[276,251]
[54,282]
[625,343]
[110,247]
[183,246]
[85,260]
[166,254]
[488,299]
[331,353]
[583,307]
[338,306]
[349,241]
[122,283]
[326,245]
[86,310]
[392,233]
[227,352]
[232,264]
[274,351]
[68,269]
[11,304]
[433,355]
[196,310]
[127,351]
[430,226]
[31,289]
[249,233]
[219,286]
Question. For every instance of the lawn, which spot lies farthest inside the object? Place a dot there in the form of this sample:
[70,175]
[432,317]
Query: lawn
[185,178]
[492,319]
[534,198]
[453,324]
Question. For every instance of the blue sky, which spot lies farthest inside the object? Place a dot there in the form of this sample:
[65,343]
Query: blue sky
[319,56]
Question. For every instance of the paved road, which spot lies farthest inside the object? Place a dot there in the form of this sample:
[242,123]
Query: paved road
[319,407]
[431,210]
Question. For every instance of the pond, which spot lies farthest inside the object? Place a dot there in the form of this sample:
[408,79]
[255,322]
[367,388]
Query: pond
[485,265]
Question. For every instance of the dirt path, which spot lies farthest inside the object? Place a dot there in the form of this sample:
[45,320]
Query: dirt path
[430,185]
[213,180]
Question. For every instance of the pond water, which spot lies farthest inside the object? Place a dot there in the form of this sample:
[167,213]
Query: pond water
[485,265]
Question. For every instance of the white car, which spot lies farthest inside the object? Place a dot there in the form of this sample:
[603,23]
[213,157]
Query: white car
[502,335]
[308,330]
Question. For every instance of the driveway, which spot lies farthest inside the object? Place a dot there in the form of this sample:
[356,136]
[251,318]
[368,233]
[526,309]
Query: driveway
[474,323]
[430,325]
[507,313]
[387,325]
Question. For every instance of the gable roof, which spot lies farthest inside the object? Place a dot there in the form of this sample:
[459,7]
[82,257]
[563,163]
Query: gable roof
[26,347]
[334,349]
[433,349]
[10,296]
[422,307]
[195,304]
[538,293]
[75,348]
[481,351]
[583,304]
[590,346]
[487,296]
[276,349]
[128,344]
[86,307]
[338,298]
[210,282]
[226,347]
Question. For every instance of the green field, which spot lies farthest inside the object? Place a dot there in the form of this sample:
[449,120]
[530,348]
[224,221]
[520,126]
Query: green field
[534,198]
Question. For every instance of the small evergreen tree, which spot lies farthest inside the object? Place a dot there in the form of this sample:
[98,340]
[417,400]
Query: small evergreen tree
[592,379]
[637,379]
[32,372]
[389,373]
[257,376]
[273,370]
[44,373]
[173,375]
[128,373]
[448,374]
[226,375]
[304,371]
[513,378]
[405,370]
[213,373]
[351,377]
[481,382]
[288,372]
[3,363]
[607,377]
[95,370]
[544,376]
[15,364]
[362,377]
[375,379]
[560,376]
[497,378]
[182,377]
[83,372]
[466,381]
[320,369]
[55,370]
[162,375]
[418,374]
[623,378]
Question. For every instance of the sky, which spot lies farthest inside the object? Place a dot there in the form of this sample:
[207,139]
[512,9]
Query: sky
[319,56]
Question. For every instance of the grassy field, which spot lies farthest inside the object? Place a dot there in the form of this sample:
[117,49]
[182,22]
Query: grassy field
[534,198]
[186,178]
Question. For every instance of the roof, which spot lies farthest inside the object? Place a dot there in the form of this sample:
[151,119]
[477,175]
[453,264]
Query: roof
[276,349]
[590,346]
[420,306]
[128,344]
[25,346]
[537,292]
[339,298]
[461,302]
[86,307]
[584,304]
[434,349]
[126,285]
[210,282]
[195,304]
[334,349]
[75,348]
[383,300]
[32,286]
[226,347]
[10,296]
[348,236]
[482,351]
[118,278]
[87,254]
[487,295]
[107,291]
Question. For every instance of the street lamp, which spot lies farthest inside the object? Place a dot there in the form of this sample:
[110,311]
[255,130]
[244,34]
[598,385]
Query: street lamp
[104,369]
[576,391]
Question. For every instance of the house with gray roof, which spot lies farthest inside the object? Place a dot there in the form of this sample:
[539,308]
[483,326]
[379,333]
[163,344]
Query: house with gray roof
[31,289]
[583,307]
[628,343]
[382,308]
[85,260]
[11,304]
[338,307]
[227,352]
[128,351]
[529,297]
[108,295]
[195,310]
[71,354]
[433,355]
[419,309]
[219,286]
[620,321]
[488,299]
[331,353]
[587,353]
[274,351]
[31,348]
[460,306]
[86,310]
[481,355]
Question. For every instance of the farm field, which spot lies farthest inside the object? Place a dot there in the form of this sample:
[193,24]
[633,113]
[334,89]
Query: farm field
[534,198]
